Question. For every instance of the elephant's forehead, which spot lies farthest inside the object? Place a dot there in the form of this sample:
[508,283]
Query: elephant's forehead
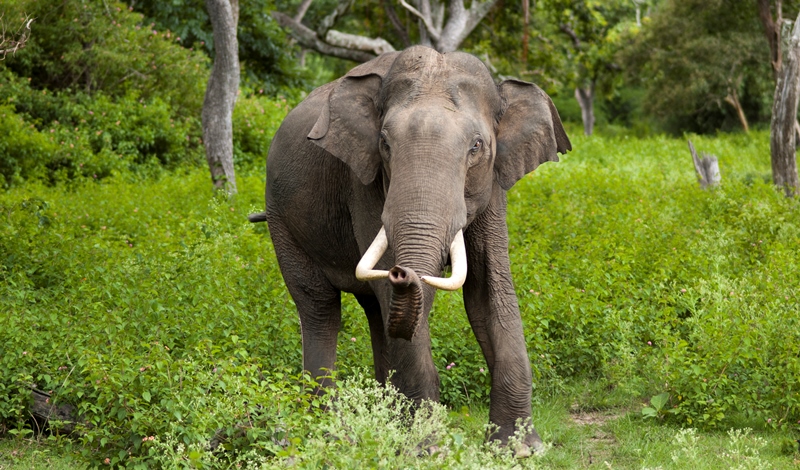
[464,88]
[419,60]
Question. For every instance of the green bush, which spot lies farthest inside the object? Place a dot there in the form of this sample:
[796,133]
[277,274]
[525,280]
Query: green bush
[98,136]
[255,120]
[632,274]
[22,148]
[93,136]
[103,47]
[106,94]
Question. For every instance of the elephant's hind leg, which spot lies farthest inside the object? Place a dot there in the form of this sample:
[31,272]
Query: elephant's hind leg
[318,302]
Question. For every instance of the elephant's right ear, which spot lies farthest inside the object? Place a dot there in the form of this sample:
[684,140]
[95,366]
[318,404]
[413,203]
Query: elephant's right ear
[348,127]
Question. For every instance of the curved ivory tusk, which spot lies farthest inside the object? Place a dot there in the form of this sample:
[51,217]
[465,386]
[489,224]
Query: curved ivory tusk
[364,271]
[458,260]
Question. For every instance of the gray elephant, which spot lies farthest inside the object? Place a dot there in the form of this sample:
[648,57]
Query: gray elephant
[379,180]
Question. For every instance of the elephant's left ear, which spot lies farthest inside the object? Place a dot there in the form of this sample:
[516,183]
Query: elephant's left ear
[529,133]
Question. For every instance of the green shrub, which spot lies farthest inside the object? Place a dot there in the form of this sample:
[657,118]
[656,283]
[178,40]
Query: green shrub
[107,95]
[103,47]
[626,268]
[22,148]
[255,120]
[94,137]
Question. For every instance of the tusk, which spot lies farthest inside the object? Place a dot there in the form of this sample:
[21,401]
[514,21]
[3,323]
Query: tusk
[458,260]
[364,271]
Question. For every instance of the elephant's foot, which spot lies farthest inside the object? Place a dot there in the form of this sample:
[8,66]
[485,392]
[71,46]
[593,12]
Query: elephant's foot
[532,444]
[523,448]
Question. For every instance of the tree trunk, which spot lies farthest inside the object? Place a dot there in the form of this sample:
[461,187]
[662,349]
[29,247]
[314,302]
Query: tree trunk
[45,413]
[223,86]
[784,114]
[585,97]
[772,29]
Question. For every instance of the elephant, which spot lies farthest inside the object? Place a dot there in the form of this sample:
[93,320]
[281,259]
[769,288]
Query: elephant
[378,181]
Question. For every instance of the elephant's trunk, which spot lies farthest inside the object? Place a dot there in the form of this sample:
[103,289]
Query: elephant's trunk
[405,309]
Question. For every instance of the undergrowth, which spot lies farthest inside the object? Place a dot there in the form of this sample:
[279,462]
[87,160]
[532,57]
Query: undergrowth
[158,311]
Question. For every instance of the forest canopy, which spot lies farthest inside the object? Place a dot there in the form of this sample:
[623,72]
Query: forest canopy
[103,87]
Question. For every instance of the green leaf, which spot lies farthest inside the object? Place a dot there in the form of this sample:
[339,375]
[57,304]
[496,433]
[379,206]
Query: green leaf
[659,400]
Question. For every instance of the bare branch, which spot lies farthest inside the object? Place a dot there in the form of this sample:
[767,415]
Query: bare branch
[309,39]
[301,10]
[363,43]
[461,22]
[437,15]
[432,31]
[398,26]
[477,10]
[565,28]
[330,20]
[15,41]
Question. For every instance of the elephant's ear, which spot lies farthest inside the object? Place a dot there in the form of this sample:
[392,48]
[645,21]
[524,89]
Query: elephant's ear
[348,126]
[529,133]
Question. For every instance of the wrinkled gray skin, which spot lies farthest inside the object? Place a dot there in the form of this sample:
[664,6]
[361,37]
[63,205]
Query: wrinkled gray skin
[424,144]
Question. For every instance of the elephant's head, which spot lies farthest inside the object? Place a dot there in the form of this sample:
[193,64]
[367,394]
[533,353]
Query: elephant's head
[438,133]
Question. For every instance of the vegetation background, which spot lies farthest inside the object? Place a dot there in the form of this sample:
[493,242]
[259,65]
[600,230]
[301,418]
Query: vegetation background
[132,292]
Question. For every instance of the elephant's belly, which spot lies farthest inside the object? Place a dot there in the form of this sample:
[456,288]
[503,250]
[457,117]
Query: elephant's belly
[338,261]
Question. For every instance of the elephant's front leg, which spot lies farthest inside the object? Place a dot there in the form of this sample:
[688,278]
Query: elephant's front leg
[493,312]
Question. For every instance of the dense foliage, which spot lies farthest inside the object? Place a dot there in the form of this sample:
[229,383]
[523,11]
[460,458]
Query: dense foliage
[262,44]
[158,310]
[97,93]
[691,55]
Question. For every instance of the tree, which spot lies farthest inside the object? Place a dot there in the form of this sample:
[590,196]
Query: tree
[702,65]
[783,126]
[11,42]
[223,86]
[783,133]
[441,24]
[592,30]
[263,45]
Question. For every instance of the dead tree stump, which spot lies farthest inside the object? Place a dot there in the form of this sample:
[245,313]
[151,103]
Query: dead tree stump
[707,168]
[45,412]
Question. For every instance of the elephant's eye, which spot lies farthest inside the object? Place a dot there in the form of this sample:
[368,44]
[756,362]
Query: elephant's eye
[477,146]
[384,145]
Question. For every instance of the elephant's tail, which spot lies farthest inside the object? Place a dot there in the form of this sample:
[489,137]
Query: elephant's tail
[257,217]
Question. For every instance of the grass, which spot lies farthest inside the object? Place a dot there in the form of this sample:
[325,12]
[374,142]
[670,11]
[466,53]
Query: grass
[35,454]
[158,311]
